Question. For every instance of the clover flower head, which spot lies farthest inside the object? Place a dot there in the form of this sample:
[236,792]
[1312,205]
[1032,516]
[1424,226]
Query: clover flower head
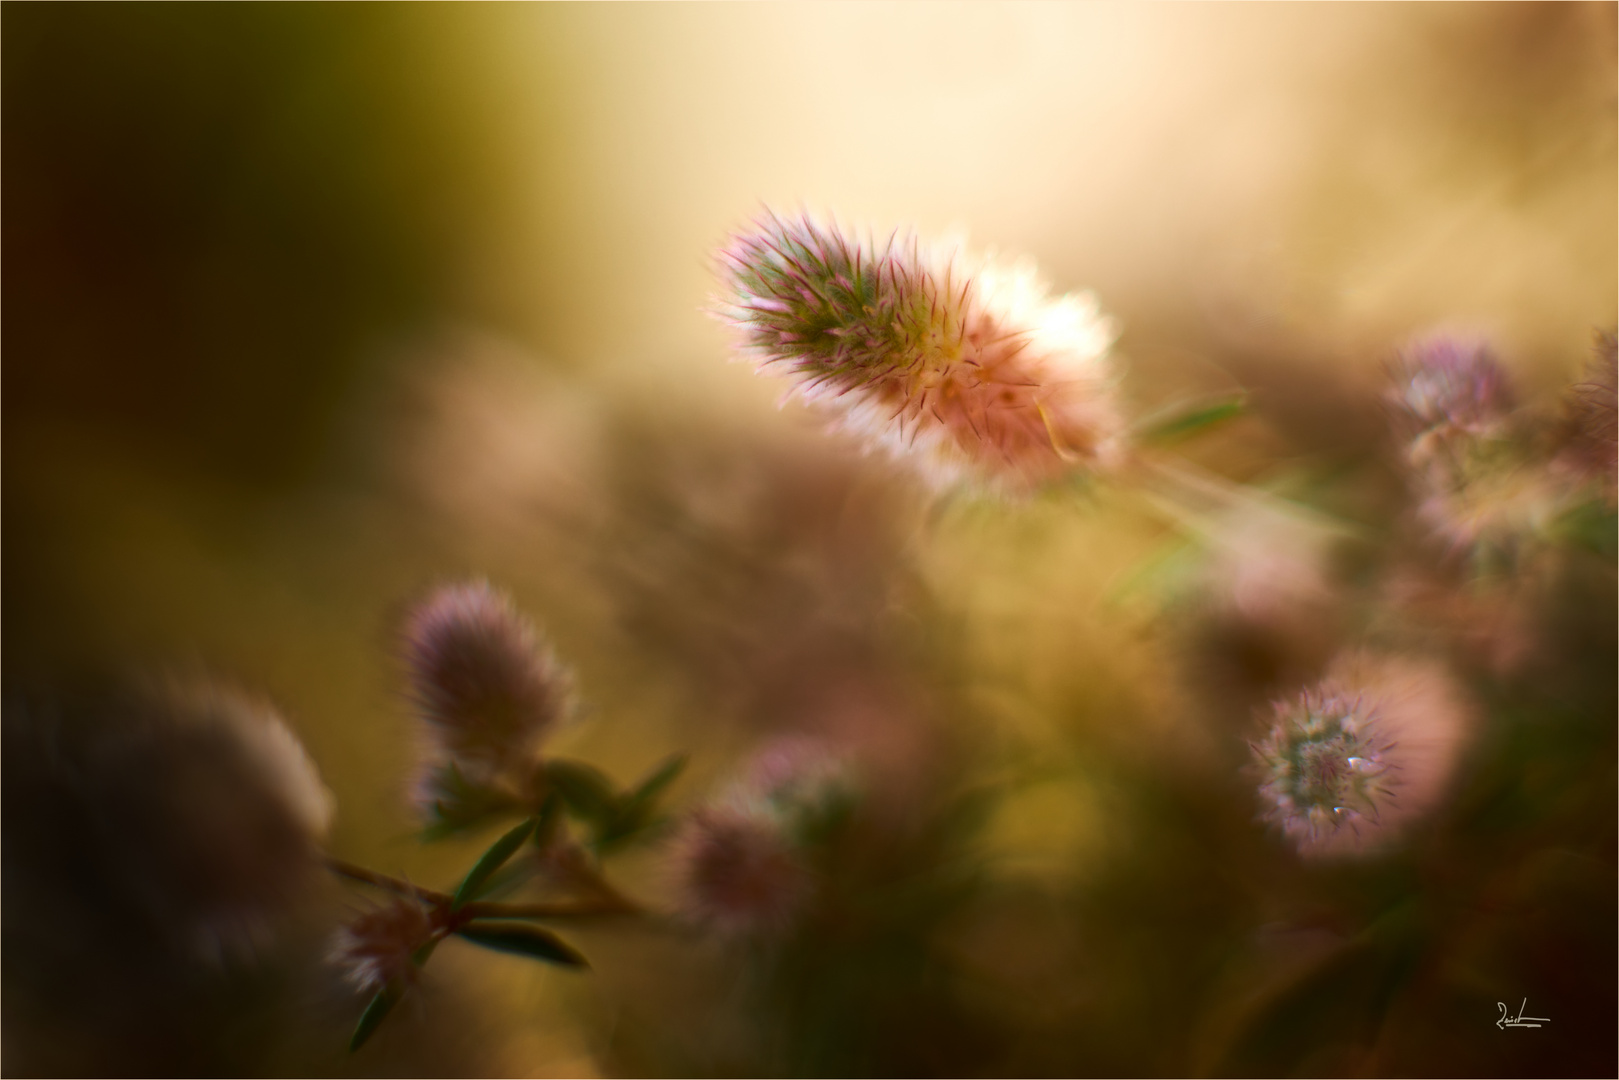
[488,687]
[1349,763]
[1447,384]
[965,365]
[378,946]
[1326,766]
[1478,482]
[737,871]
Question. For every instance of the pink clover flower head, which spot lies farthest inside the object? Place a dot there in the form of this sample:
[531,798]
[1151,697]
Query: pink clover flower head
[1448,384]
[1326,766]
[1478,482]
[488,687]
[965,365]
[1349,763]
[378,946]
[737,871]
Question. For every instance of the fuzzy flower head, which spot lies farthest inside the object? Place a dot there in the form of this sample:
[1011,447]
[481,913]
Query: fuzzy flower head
[1326,766]
[1348,763]
[487,686]
[1478,483]
[968,364]
[379,946]
[737,870]
[802,779]
[1447,386]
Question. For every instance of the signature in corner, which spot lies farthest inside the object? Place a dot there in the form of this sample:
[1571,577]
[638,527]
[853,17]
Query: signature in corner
[1507,1020]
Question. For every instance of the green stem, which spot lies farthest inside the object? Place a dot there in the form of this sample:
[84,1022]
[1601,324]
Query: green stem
[344,868]
[485,909]
[611,902]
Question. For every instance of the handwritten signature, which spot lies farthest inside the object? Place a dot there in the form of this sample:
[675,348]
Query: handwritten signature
[1507,1020]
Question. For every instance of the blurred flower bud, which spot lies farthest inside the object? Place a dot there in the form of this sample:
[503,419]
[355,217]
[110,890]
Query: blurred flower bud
[801,778]
[737,871]
[1447,384]
[967,364]
[488,688]
[216,807]
[1479,484]
[1592,449]
[378,946]
[1351,761]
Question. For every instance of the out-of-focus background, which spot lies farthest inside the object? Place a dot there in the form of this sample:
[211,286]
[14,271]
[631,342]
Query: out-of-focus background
[309,308]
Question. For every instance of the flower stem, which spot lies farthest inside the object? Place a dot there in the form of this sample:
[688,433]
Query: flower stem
[344,868]
[610,902]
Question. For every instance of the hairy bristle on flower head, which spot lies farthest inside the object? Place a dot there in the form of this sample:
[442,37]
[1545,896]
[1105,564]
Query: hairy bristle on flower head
[736,870]
[1348,763]
[378,946]
[488,687]
[969,365]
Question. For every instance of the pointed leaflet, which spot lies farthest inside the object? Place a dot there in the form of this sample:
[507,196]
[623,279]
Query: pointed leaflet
[492,860]
[636,811]
[585,788]
[1183,420]
[522,939]
[380,1006]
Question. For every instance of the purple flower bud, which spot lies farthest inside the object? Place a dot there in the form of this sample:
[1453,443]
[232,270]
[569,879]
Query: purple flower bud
[1445,384]
[377,947]
[488,688]
[737,871]
[1478,481]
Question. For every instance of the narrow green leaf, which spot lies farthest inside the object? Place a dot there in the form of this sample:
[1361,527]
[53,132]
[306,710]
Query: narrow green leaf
[637,812]
[653,785]
[550,823]
[461,804]
[1181,421]
[522,939]
[585,788]
[492,860]
[381,1005]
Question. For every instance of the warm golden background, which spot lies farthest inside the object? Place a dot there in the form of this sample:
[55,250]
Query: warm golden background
[311,307]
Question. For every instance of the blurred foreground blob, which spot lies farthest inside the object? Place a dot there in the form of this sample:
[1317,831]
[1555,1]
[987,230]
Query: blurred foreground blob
[219,810]
[207,808]
[158,838]
[1349,763]
[964,364]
